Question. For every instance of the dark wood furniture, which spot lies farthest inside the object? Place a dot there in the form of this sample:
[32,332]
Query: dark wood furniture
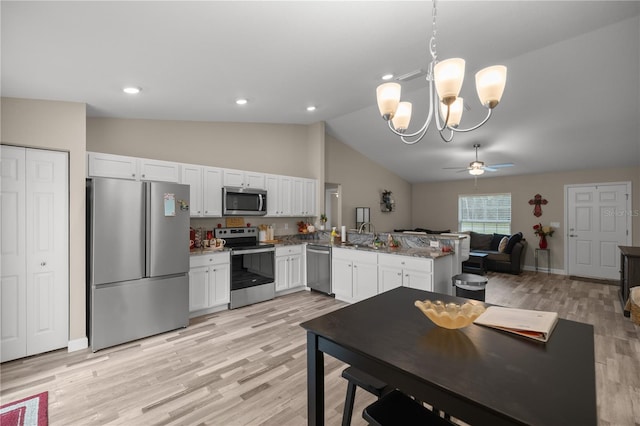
[475,263]
[357,378]
[629,273]
[477,374]
[396,408]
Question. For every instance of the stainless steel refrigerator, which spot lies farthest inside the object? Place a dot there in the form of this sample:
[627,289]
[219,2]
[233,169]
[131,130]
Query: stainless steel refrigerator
[138,259]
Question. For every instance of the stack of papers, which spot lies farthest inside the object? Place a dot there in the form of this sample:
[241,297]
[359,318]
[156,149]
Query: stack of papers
[536,325]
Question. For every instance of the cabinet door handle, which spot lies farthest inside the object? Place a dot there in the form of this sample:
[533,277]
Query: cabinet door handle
[133,175]
[43,263]
[143,175]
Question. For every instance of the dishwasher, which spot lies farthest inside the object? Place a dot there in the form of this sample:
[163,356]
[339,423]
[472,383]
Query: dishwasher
[319,268]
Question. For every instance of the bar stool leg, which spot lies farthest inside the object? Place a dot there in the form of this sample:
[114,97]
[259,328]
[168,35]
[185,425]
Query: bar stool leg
[348,404]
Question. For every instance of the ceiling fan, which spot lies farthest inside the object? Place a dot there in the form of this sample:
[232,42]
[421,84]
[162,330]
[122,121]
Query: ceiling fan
[477,167]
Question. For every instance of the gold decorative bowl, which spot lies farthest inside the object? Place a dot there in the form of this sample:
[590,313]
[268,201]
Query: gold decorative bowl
[450,315]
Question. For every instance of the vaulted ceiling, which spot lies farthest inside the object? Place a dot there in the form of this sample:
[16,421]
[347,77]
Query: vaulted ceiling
[571,101]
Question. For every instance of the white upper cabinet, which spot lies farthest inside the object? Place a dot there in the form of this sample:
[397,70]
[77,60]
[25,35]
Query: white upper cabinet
[244,179]
[304,197]
[112,166]
[279,195]
[159,171]
[132,168]
[212,196]
[192,176]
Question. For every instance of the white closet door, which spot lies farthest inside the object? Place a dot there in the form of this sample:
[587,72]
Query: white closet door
[47,231]
[13,289]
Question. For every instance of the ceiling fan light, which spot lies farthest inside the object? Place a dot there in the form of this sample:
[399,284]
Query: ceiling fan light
[476,171]
[388,95]
[448,76]
[455,112]
[402,116]
[490,84]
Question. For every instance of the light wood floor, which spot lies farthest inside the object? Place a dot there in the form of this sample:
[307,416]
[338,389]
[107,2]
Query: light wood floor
[248,366]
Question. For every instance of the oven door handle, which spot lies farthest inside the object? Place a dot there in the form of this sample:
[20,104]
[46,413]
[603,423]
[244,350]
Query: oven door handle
[252,251]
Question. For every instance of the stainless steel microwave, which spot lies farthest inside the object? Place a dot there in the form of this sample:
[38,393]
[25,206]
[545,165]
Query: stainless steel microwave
[243,201]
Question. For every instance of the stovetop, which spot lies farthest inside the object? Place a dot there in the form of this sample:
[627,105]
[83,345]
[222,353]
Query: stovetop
[241,238]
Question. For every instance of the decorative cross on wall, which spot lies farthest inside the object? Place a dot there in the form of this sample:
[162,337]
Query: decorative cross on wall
[537,200]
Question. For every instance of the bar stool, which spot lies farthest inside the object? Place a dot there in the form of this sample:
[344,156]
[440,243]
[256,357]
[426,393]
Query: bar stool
[367,382]
[396,408]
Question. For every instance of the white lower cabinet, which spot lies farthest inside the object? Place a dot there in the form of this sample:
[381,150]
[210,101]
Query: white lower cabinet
[396,271]
[289,269]
[209,281]
[354,274]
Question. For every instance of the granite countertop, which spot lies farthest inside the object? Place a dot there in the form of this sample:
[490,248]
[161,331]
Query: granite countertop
[200,252]
[401,251]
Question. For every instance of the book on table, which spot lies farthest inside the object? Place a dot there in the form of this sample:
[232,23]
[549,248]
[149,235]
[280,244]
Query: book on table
[536,325]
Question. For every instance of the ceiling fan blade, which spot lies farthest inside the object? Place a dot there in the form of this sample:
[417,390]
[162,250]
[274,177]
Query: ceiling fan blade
[499,166]
[489,169]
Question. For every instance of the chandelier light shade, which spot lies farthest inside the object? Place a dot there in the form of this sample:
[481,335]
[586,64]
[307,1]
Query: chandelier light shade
[455,112]
[444,79]
[490,85]
[449,76]
[402,116]
[388,95]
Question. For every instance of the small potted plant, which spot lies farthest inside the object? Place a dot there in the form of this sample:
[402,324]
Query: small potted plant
[323,220]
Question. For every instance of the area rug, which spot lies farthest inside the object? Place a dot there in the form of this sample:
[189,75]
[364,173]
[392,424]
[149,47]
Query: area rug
[30,411]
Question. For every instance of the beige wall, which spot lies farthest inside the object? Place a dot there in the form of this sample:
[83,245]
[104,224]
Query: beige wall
[362,184]
[435,205]
[58,126]
[284,149]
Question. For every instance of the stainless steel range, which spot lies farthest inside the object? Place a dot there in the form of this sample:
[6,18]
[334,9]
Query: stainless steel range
[252,266]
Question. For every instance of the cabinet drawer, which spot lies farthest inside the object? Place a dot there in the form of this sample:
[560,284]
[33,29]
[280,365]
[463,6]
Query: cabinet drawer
[208,259]
[356,256]
[405,262]
[288,250]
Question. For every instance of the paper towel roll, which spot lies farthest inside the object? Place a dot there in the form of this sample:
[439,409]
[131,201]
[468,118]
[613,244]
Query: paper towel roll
[343,234]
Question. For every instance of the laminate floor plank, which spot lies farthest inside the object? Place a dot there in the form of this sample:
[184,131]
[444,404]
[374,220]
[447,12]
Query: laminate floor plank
[248,366]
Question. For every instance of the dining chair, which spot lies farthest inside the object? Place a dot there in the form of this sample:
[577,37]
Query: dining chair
[397,408]
[357,378]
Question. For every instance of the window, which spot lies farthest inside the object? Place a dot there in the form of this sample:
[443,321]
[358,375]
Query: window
[486,214]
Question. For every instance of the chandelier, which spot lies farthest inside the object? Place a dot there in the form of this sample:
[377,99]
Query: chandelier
[445,77]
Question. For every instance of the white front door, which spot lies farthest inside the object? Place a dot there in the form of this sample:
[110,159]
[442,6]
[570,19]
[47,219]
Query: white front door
[598,221]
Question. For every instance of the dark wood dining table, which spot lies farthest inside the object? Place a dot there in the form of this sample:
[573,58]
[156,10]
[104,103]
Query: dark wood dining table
[477,374]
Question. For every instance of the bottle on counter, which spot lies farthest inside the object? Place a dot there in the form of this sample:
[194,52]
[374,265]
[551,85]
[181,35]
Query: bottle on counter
[334,234]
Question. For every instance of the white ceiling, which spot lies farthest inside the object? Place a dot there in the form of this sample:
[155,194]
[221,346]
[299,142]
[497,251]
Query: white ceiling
[571,101]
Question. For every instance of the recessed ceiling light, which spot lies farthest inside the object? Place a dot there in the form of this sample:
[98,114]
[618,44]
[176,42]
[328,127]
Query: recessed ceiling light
[131,90]
[387,76]
[311,108]
[241,101]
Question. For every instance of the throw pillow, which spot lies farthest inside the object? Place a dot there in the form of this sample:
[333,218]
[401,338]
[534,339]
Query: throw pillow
[513,240]
[503,244]
[480,241]
[495,241]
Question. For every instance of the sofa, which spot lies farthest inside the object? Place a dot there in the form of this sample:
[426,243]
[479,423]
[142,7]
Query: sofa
[505,257]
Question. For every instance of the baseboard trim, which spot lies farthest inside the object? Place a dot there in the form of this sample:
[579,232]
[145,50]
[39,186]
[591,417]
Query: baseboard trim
[595,280]
[77,344]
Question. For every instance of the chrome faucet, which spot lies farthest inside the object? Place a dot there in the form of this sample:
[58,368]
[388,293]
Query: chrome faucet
[370,224]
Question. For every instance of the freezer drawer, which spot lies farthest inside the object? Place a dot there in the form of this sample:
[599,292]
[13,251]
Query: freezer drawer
[132,310]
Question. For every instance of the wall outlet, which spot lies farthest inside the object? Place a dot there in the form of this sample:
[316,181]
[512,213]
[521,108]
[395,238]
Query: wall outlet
[286,226]
[554,224]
